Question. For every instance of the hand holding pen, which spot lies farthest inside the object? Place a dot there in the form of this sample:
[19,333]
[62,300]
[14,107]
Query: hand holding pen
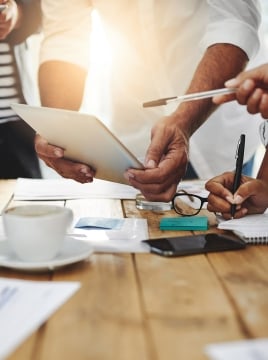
[238,168]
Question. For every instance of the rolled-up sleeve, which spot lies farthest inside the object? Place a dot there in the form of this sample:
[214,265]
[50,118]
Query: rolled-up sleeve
[66,28]
[234,22]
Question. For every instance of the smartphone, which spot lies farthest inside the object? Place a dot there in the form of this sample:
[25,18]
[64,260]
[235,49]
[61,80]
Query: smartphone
[195,244]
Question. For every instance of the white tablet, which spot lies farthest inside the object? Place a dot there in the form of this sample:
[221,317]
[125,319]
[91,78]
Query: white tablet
[84,138]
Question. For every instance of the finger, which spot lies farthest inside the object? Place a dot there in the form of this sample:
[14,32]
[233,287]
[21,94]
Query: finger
[164,195]
[155,185]
[240,212]
[253,104]
[160,184]
[248,189]
[155,150]
[218,204]
[245,90]
[220,99]
[264,106]
[232,83]
[71,170]
[44,149]
[221,185]
[173,165]
[53,157]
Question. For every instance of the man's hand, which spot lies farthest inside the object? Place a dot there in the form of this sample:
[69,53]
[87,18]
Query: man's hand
[53,157]
[252,90]
[165,164]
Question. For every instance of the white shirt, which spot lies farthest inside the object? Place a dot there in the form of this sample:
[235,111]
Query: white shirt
[155,48]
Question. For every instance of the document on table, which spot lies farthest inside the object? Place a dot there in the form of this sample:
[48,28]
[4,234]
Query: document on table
[25,305]
[256,349]
[57,189]
[125,236]
[113,235]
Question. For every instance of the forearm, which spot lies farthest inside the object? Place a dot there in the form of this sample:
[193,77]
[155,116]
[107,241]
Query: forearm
[213,70]
[61,84]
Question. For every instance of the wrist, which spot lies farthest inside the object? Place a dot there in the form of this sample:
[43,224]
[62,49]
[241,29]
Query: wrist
[188,118]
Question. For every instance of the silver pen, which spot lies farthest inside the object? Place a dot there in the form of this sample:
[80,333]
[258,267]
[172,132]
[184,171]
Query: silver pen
[190,97]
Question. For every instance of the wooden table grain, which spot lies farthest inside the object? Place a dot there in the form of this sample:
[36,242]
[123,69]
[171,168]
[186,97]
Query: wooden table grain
[146,307]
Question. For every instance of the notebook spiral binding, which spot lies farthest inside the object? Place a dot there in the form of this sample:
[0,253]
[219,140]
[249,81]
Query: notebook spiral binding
[257,240]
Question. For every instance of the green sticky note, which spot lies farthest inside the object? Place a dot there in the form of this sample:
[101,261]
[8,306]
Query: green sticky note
[184,223]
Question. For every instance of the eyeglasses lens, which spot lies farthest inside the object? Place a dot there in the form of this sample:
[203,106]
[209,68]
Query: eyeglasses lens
[187,204]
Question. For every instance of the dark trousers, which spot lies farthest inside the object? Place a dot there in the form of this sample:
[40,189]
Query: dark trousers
[17,154]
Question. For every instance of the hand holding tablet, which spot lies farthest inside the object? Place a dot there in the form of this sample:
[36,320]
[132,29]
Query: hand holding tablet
[83,137]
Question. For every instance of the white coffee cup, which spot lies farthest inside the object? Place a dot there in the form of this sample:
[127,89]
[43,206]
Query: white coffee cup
[36,232]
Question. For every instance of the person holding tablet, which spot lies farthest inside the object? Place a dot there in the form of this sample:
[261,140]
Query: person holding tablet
[176,48]
[252,195]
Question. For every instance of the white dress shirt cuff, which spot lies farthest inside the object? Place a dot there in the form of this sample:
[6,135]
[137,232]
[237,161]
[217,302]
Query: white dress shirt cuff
[238,34]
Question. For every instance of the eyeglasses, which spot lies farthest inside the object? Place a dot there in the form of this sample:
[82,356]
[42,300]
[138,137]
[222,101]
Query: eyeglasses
[187,204]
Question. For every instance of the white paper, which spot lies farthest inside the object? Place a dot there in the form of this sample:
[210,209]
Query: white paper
[25,305]
[127,239]
[196,187]
[52,189]
[239,350]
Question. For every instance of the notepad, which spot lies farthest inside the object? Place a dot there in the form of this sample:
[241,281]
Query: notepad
[253,229]
[184,223]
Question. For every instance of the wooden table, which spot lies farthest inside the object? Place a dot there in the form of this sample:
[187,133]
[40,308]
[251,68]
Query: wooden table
[145,306]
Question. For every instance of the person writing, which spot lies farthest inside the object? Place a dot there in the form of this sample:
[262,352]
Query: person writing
[176,48]
[252,195]
[18,20]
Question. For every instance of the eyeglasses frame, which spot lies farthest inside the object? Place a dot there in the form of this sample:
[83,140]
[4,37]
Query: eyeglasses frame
[183,193]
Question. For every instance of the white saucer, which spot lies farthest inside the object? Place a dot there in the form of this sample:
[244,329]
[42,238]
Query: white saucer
[74,250]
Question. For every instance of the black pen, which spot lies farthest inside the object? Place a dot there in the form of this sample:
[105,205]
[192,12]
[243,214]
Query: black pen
[238,168]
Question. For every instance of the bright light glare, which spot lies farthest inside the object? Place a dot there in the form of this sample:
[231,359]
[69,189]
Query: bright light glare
[100,50]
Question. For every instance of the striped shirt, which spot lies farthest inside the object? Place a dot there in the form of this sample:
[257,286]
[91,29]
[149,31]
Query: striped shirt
[10,90]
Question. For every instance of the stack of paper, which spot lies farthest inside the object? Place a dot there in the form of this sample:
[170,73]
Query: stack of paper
[60,188]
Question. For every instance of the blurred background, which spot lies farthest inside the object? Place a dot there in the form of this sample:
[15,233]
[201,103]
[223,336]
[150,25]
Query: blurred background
[100,59]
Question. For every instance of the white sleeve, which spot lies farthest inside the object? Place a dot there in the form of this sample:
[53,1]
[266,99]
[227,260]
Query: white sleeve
[234,22]
[66,28]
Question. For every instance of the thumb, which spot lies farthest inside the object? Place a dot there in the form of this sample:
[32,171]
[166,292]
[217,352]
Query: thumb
[244,192]
[154,152]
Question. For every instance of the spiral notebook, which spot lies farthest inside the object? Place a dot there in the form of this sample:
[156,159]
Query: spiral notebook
[253,229]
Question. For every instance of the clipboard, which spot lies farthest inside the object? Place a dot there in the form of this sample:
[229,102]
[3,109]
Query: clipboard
[83,137]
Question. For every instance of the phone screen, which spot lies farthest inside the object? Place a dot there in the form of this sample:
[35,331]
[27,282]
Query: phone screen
[196,244]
